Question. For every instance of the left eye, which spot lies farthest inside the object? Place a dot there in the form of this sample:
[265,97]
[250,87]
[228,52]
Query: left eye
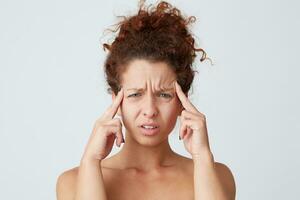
[166,95]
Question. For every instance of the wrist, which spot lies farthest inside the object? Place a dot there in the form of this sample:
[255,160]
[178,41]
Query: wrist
[205,156]
[90,161]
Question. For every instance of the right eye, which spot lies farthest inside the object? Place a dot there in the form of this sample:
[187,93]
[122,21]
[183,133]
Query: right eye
[134,95]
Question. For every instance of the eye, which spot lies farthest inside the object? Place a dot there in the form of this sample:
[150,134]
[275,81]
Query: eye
[134,95]
[166,95]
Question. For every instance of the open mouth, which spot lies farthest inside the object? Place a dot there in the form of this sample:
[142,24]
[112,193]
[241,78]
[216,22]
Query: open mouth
[149,130]
[149,127]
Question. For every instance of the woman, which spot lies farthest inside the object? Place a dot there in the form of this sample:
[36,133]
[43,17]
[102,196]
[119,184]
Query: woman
[149,73]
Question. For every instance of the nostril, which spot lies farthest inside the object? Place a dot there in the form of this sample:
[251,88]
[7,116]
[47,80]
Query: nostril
[150,114]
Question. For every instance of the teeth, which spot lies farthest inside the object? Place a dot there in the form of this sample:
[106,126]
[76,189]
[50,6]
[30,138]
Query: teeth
[149,127]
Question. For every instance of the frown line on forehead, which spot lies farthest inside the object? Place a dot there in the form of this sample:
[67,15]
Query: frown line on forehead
[142,89]
[162,87]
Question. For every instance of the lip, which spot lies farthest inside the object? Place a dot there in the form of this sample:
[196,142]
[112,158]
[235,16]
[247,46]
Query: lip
[149,132]
[149,124]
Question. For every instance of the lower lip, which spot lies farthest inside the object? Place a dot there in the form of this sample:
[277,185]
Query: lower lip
[149,132]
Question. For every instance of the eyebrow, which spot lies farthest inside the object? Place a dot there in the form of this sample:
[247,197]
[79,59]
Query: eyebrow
[141,89]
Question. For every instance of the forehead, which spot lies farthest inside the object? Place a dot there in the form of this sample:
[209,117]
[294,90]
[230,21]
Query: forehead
[140,72]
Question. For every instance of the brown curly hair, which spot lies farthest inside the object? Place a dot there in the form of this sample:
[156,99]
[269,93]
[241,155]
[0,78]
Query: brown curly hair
[156,34]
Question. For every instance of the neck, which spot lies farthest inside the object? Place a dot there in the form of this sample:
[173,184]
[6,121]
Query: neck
[143,157]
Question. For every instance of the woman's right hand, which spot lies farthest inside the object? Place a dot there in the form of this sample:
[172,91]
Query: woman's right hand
[105,130]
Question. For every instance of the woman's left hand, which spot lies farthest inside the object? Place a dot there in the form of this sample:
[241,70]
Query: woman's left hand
[193,129]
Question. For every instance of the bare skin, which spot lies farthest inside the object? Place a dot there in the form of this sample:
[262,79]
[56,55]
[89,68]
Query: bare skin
[171,182]
[145,167]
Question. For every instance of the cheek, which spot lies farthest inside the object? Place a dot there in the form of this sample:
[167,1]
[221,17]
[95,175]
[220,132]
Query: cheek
[175,104]
[170,110]
[169,116]
[129,111]
[129,108]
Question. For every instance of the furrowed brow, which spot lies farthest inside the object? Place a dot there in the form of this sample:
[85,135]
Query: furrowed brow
[165,90]
[138,89]
[142,89]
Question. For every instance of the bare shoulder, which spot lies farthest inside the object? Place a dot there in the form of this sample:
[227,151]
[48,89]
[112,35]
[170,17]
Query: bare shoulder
[224,173]
[67,180]
[66,184]
[226,177]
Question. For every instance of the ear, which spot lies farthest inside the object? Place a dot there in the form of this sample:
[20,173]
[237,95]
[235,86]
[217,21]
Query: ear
[113,96]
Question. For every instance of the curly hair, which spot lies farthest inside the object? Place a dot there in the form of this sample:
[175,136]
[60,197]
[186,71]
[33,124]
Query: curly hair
[157,34]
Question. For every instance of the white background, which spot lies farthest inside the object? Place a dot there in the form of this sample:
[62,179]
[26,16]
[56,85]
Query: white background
[52,90]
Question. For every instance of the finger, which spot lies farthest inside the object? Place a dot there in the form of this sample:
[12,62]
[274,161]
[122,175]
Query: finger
[116,131]
[112,110]
[183,128]
[189,115]
[116,122]
[191,124]
[110,129]
[120,137]
[184,100]
[119,134]
[188,132]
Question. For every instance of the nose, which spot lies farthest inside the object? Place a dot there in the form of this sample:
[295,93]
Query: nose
[149,106]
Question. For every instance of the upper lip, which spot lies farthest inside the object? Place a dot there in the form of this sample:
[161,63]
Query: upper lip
[150,124]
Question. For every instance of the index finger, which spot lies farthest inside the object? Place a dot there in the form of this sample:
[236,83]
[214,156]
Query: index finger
[112,110]
[184,100]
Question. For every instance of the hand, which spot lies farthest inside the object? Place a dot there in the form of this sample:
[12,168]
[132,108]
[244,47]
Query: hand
[193,129]
[105,130]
